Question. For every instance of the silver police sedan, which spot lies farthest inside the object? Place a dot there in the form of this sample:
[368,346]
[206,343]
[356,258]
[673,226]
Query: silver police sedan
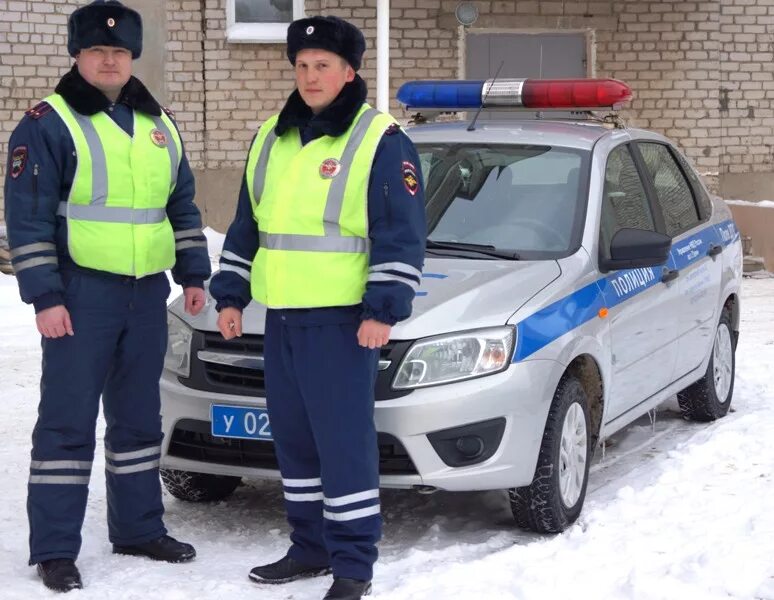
[578,273]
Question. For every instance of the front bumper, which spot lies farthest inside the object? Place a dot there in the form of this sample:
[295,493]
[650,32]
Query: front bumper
[520,396]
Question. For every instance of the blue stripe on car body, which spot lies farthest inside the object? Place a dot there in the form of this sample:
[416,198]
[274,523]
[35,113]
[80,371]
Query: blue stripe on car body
[550,323]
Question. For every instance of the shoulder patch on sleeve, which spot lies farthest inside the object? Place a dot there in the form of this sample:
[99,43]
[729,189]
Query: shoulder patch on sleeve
[169,111]
[410,179]
[39,110]
[19,157]
[392,129]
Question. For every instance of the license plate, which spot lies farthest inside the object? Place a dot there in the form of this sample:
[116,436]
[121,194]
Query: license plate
[240,422]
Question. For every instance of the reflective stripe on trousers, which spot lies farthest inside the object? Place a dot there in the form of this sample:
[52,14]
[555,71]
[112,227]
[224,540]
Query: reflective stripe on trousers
[117,351]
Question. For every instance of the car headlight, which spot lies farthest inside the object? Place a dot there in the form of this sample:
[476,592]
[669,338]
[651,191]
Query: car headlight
[178,356]
[454,357]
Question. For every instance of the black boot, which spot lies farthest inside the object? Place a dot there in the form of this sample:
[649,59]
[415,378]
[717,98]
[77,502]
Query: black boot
[60,574]
[163,548]
[284,570]
[348,589]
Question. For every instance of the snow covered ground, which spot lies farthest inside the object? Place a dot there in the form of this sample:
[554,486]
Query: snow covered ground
[674,511]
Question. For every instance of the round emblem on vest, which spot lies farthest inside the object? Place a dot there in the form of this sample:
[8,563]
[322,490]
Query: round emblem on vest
[329,168]
[310,30]
[159,138]
[111,22]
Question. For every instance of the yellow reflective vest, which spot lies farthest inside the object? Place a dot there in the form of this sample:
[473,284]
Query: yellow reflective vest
[116,211]
[310,204]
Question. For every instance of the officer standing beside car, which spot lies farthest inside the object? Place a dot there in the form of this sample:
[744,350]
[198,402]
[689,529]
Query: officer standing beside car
[329,234]
[99,204]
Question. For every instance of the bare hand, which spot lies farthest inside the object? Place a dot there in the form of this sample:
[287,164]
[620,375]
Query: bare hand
[54,322]
[194,300]
[230,322]
[373,334]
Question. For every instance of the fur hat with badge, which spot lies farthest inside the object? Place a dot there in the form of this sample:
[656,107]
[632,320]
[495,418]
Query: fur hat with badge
[327,33]
[104,23]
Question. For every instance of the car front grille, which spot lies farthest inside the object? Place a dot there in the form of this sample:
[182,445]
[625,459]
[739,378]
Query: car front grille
[191,439]
[249,380]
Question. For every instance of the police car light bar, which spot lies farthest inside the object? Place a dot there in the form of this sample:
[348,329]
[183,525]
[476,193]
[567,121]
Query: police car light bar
[538,94]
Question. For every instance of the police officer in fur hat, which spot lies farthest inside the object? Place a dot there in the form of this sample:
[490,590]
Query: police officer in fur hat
[99,204]
[329,235]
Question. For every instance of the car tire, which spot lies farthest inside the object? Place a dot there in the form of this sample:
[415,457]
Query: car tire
[710,397]
[554,499]
[198,487]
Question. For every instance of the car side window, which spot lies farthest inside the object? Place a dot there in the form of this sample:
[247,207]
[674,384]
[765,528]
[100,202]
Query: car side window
[705,204]
[673,193]
[624,204]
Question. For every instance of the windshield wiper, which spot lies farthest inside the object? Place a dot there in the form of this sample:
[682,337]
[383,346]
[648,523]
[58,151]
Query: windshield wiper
[477,248]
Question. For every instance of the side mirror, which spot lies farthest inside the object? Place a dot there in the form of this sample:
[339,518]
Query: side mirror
[636,248]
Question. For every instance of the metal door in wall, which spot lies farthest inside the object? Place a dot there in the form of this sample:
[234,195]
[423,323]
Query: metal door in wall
[524,55]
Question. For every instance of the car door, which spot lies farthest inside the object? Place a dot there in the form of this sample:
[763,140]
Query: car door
[642,308]
[695,249]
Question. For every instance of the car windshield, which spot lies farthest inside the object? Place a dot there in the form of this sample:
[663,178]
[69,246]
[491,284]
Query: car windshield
[523,199]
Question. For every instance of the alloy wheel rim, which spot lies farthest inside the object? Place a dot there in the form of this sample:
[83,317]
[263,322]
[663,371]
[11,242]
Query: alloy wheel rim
[572,455]
[722,362]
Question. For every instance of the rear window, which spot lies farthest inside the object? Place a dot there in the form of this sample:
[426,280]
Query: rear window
[528,199]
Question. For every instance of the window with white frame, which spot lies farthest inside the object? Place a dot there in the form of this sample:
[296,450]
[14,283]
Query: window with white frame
[261,20]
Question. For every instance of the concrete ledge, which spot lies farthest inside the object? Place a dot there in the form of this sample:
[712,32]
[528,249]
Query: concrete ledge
[747,186]
[757,222]
[537,24]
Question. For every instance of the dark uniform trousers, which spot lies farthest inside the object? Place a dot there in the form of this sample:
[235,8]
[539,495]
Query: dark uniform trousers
[320,395]
[118,352]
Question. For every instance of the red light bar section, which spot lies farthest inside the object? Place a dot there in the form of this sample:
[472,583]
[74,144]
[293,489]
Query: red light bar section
[574,93]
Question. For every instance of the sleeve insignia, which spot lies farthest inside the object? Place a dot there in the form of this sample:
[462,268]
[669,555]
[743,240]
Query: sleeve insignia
[19,157]
[410,179]
[392,129]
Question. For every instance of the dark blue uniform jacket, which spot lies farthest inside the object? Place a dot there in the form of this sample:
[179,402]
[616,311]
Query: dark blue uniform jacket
[41,168]
[396,216]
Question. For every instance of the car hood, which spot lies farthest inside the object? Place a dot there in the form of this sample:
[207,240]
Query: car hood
[455,295]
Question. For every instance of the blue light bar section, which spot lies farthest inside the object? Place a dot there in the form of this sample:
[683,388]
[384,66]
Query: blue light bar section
[450,95]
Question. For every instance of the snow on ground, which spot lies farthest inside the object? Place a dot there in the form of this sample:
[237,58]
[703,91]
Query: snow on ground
[674,510]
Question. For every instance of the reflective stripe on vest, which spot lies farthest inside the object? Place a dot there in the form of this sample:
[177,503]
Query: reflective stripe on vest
[174,155]
[336,192]
[312,243]
[99,174]
[111,214]
[335,199]
[116,209]
[313,222]
[259,177]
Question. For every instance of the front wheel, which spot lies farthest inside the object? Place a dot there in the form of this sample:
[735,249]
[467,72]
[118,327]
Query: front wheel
[710,397]
[198,487]
[554,499]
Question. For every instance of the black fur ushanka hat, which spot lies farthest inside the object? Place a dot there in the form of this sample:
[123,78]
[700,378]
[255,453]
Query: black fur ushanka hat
[104,23]
[327,33]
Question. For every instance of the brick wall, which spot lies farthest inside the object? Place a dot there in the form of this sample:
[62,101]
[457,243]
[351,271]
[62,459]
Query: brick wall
[31,62]
[746,48]
[702,72]
[668,52]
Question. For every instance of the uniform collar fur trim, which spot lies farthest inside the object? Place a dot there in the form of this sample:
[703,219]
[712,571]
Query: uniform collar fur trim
[334,120]
[88,100]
